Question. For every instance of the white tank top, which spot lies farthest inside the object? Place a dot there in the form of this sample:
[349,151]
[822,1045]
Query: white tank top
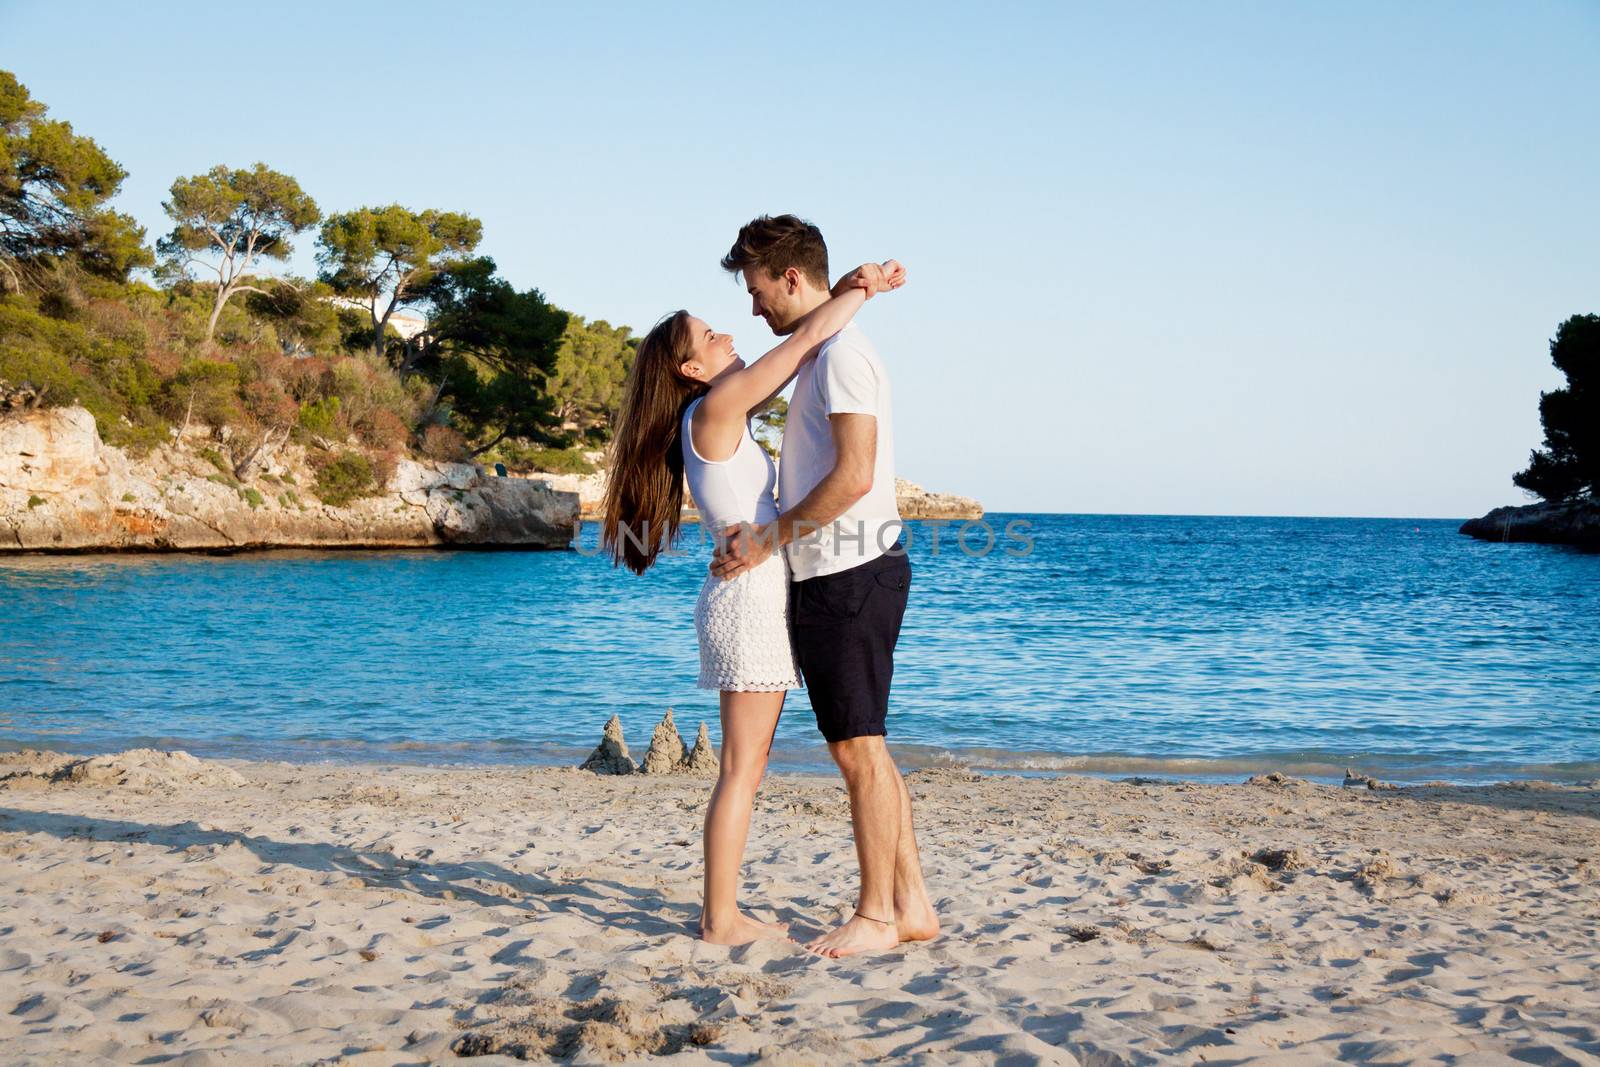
[736,489]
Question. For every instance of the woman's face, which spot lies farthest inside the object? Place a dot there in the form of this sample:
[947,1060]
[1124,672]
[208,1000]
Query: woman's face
[711,353]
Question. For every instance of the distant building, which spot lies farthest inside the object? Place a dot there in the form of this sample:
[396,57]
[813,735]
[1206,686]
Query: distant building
[407,323]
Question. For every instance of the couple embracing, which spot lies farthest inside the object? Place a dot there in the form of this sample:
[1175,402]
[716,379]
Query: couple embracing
[811,585]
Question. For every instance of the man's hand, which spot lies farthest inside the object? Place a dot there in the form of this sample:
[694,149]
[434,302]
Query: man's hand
[740,548]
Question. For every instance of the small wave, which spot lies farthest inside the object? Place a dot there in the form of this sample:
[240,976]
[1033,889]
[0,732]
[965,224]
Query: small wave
[1317,766]
[812,758]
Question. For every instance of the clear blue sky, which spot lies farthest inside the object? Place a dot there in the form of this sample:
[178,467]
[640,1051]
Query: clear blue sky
[1228,258]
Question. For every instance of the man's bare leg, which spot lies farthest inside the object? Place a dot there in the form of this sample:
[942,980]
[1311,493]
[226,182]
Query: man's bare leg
[876,790]
[914,916]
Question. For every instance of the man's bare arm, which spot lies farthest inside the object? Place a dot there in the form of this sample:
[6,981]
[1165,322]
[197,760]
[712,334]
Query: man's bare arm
[855,447]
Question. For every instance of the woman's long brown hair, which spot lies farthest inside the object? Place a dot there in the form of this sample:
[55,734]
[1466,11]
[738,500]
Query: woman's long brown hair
[644,493]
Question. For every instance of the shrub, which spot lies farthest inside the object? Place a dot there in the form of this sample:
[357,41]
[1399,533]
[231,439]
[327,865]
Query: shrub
[214,457]
[252,497]
[203,389]
[343,478]
[34,500]
[38,349]
[521,456]
[268,404]
[83,361]
[376,406]
[444,443]
[303,378]
[386,429]
[320,417]
[383,467]
[136,436]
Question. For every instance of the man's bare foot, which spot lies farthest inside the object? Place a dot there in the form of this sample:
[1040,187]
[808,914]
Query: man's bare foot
[916,920]
[742,931]
[860,934]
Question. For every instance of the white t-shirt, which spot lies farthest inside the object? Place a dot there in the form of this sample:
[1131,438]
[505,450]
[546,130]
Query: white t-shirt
[846,377]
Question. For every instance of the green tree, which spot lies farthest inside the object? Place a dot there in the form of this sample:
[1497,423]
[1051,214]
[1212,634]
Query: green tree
[54,186]
[385,257]
[491,351]
[226,221]
[302,316]
[770,419]
[1569,464]
[203,388]
[591,366]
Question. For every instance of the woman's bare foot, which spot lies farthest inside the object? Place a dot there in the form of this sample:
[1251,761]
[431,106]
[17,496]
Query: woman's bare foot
[916,920]
[860,934]
[742,930]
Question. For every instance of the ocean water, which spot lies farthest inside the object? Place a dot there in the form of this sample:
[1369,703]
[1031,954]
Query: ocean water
[1203,647]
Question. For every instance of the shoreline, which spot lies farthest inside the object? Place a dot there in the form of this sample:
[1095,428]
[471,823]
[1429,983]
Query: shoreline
[196,910]
[1401,771]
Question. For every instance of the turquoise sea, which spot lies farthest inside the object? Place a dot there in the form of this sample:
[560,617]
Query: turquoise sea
[1194,646]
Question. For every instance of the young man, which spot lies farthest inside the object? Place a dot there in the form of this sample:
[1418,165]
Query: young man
[850,575]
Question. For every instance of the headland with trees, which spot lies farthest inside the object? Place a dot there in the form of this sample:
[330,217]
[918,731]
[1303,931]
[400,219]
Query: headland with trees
[408,342]
[198,326]
[1565,472]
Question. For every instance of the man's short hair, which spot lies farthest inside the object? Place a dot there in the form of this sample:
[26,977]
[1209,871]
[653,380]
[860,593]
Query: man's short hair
[775,243]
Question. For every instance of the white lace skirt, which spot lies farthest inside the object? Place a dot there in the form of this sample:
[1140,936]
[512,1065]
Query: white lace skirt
[743,627]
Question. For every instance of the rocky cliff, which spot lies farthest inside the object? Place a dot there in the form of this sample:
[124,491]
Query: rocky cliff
[916,502]
[1574,523]
[63,489]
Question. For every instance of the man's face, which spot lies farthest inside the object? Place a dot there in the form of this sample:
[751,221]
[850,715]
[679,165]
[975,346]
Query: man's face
[775,299]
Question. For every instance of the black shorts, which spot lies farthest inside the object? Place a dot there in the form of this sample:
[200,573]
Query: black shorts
[845,626]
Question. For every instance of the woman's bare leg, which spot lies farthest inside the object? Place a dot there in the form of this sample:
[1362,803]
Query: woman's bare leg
[748,723]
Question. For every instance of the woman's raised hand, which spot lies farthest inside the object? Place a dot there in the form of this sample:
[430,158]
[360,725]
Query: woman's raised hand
[894,274]
[874,278]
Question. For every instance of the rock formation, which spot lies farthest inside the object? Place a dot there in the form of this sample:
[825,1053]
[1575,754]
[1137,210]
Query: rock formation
[1355,779]
[22,397]
[611,755]
[63,489]
[702,759]
[1277,780]
[666,748]
[915,502]
[138,769]
[590,488]
[1574,523]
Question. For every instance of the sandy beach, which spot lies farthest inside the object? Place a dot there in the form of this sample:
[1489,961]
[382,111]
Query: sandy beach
[162,909]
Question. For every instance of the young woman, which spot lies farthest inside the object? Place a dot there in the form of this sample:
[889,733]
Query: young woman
[686,413]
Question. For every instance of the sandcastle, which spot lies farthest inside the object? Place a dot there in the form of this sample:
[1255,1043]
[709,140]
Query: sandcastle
[666,754]
[666,748]
[611,755]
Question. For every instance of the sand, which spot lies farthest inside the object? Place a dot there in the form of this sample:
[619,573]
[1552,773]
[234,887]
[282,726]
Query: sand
[197,912]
